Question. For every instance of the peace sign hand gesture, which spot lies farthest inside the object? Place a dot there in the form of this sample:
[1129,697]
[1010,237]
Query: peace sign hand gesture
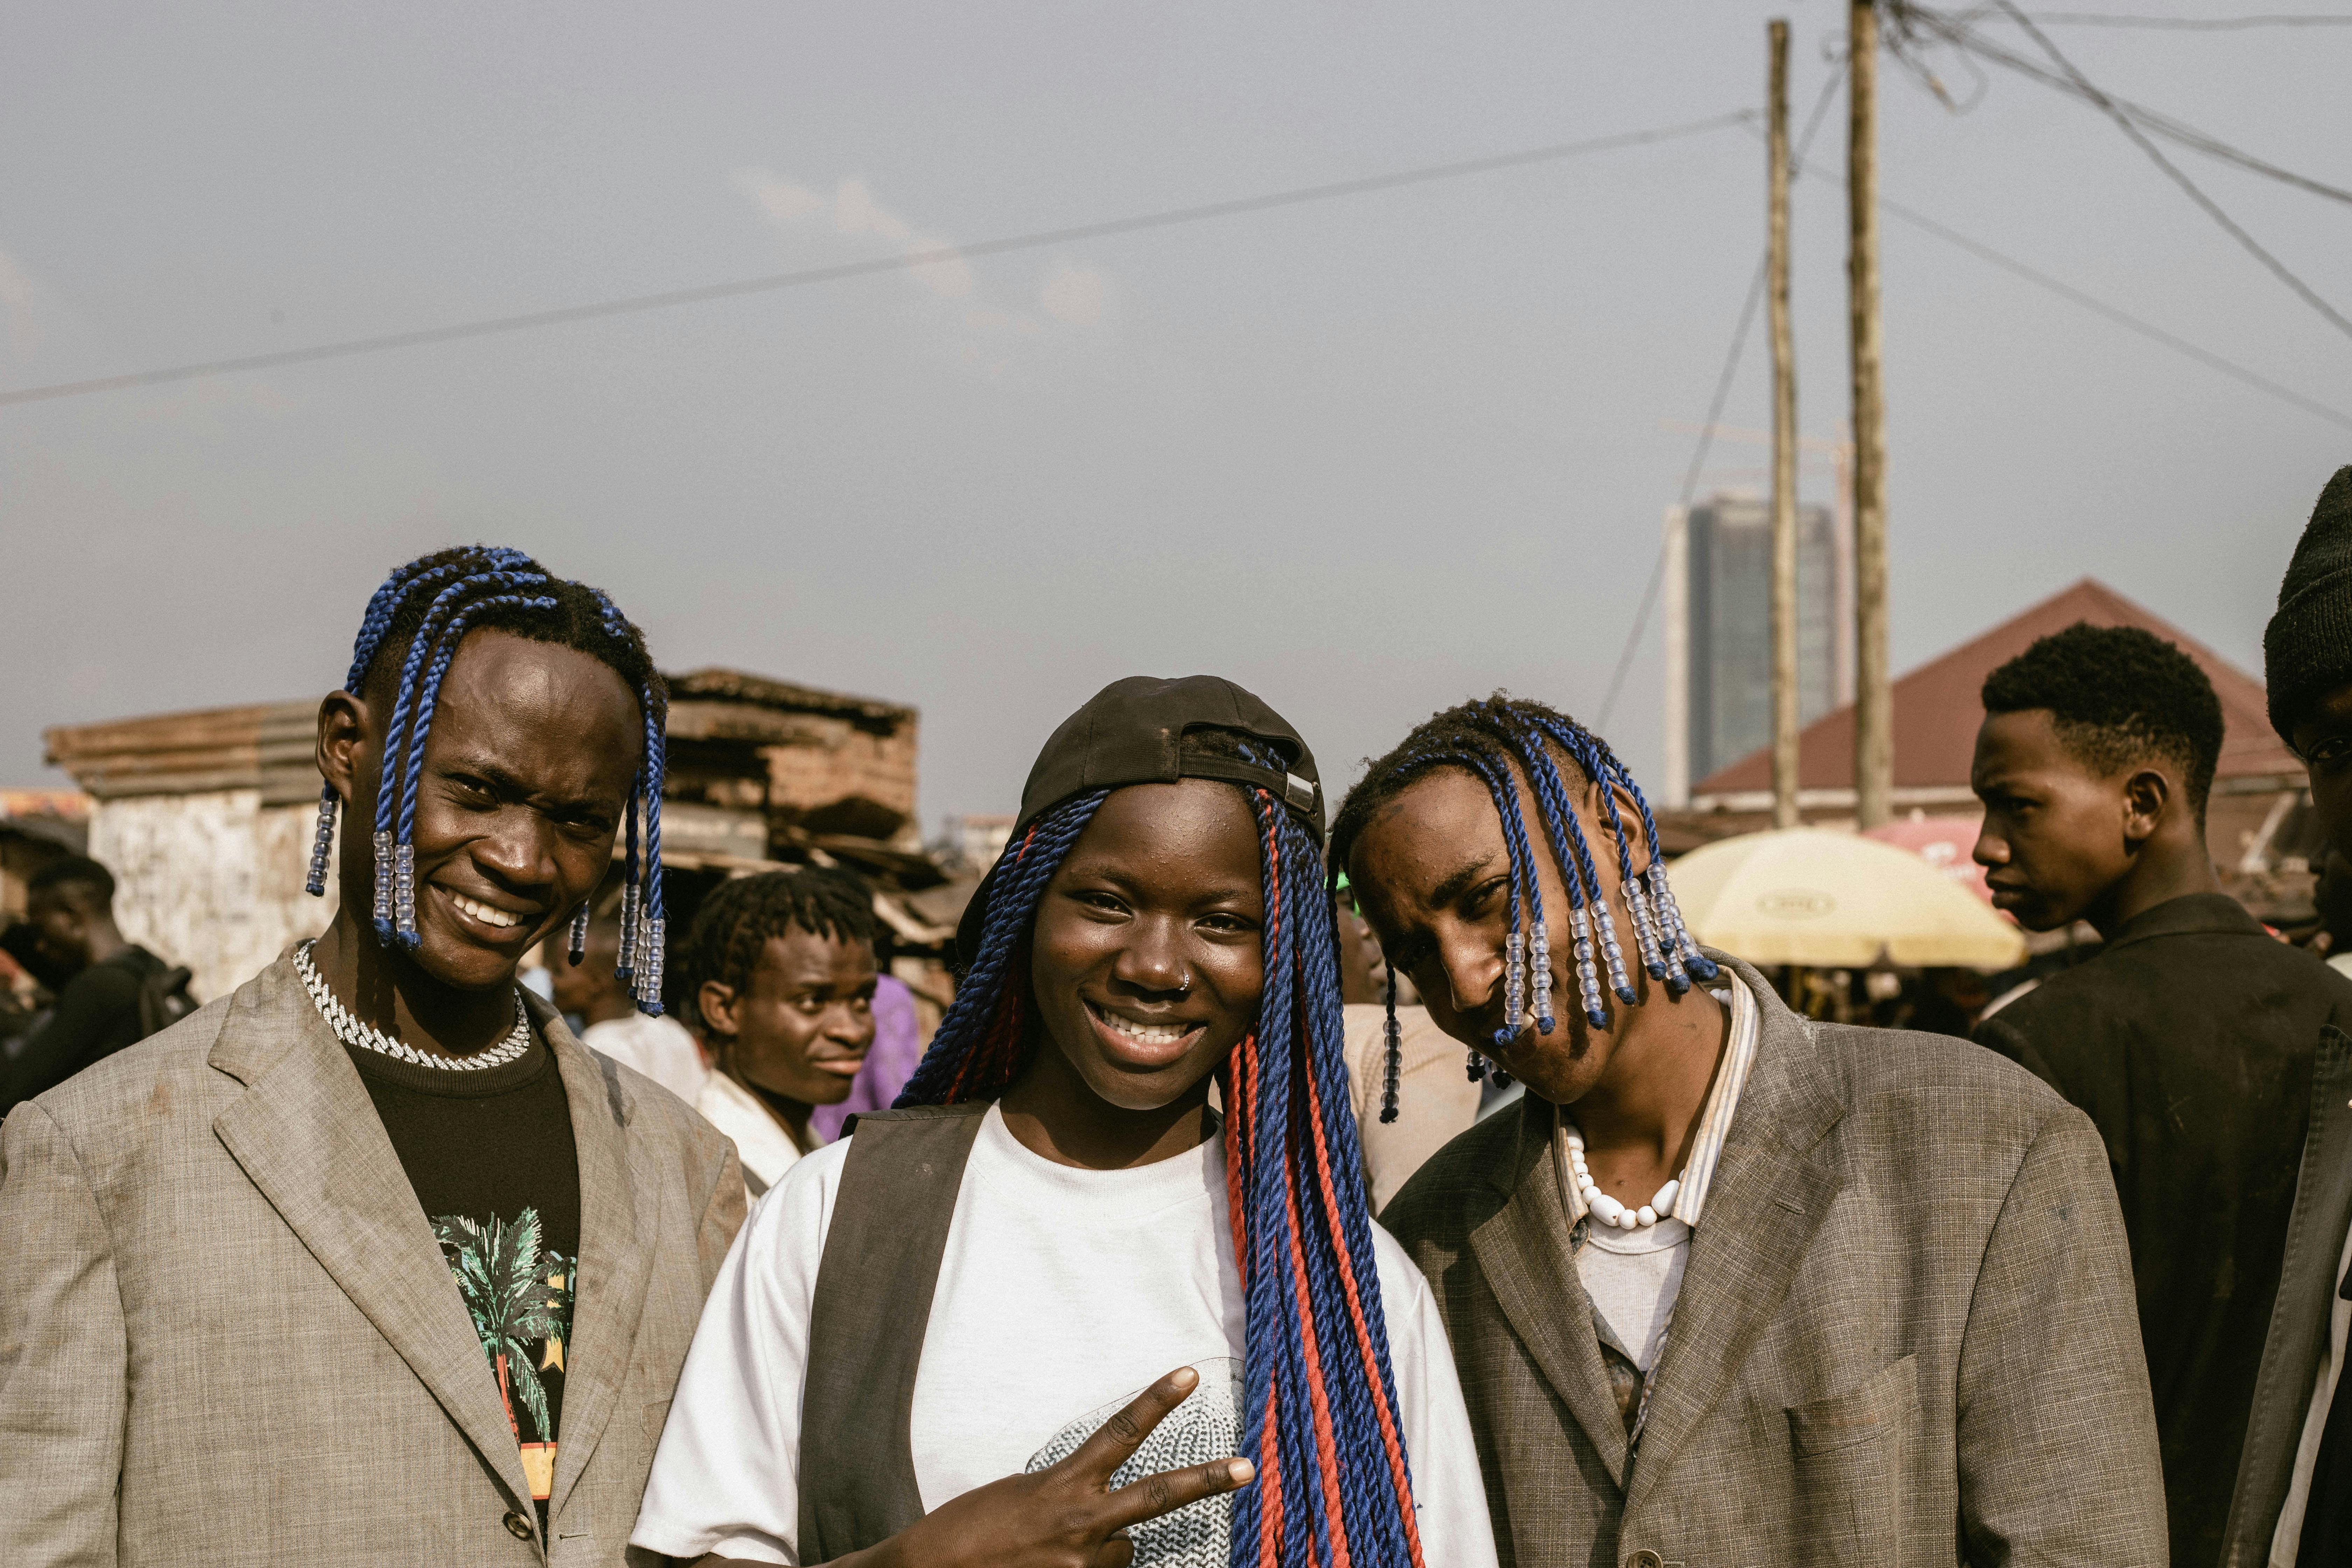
[1066,1516]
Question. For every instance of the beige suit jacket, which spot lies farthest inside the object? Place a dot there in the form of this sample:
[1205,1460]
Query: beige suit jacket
[228,1337]
[1905,1333]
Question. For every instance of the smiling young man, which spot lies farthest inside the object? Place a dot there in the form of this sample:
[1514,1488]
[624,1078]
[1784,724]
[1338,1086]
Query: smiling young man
[1728,1286]
[2187,1039]
[370,1262]
[780,970]
[2292,1505]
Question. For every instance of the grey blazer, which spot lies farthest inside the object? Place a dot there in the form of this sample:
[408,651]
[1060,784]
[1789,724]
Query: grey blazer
[228,1337]
[1905,1333]
[2298,1339]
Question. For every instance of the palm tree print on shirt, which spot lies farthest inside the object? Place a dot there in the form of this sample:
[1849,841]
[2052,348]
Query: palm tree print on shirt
[517,1296]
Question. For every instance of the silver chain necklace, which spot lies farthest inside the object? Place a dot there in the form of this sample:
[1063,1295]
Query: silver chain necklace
[361,1036]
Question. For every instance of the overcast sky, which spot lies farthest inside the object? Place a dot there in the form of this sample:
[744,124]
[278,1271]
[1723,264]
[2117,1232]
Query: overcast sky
[1366,456]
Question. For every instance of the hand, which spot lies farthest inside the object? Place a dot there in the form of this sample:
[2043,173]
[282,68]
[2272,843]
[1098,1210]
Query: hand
[1066,1516]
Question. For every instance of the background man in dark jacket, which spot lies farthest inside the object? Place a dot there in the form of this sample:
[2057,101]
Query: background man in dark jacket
[70,905]
[2189,1040]
[2294,1499]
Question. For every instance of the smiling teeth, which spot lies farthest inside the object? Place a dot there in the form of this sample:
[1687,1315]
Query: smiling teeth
[1152,1034]
[483,912]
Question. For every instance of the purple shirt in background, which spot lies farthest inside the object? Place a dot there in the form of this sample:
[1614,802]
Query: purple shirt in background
[888,1066]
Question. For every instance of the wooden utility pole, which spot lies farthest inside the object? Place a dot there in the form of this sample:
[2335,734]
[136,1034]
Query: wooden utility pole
[1874,699]
[1784,442]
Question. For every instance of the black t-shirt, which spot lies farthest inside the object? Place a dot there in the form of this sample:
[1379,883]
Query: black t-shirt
[97,1016]
[492,1157]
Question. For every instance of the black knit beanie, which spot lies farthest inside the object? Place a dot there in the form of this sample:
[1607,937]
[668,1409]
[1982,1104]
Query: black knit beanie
[2307,648]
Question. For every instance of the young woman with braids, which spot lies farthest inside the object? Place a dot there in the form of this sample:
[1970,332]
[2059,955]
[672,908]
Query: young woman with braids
[944,1342]
[371,1261]
[1731,1286]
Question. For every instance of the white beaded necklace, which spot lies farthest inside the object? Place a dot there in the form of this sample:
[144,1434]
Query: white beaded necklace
[354,1033]
[1608,1210]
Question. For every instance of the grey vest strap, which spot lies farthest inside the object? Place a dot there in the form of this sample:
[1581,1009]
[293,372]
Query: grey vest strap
[872,1303]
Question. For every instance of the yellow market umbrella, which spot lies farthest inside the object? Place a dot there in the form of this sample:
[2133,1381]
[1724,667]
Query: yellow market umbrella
[1808,895]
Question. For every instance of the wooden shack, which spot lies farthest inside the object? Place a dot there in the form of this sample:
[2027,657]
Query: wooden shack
[204,817]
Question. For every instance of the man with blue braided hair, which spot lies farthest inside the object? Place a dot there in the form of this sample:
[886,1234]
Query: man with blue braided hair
[1728,1286]
[372,1262]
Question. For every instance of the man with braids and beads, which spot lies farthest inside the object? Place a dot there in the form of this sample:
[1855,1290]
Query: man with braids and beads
[1728,1286]
[944,1342]
[370,1262]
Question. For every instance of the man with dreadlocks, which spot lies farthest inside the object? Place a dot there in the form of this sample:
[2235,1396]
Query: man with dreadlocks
[372,1262]
[1728,1286]
[926,1349]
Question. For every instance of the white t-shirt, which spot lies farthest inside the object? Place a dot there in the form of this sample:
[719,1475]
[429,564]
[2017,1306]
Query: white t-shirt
[1062,1294]
[661,1049]
[765,1150]
[2287,1537]
[1633,1277]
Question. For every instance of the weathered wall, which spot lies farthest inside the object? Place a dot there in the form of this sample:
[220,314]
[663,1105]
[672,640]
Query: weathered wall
[213,881]
[844,778]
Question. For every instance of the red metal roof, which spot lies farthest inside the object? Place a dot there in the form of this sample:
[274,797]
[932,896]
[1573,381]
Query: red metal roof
[1937,710]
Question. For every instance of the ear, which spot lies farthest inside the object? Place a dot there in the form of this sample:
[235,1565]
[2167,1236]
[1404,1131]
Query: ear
[2147,794]
[343,733]
[717,1002]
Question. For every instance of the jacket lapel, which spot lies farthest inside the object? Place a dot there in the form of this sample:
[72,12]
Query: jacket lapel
[615,1249]
[1769,1194]
[2297,1339]
[1523,1255]
[308,1137]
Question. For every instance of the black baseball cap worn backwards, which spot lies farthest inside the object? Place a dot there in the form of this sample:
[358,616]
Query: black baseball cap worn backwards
[1132,732]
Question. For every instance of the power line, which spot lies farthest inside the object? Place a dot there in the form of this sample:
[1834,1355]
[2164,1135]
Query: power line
[1983,252]
[636,304]
[1713,413]
[2121,317]
[1958,31]
[2186,23]
[2212,209]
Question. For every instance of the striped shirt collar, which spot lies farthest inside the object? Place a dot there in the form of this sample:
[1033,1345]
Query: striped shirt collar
[1714,1122]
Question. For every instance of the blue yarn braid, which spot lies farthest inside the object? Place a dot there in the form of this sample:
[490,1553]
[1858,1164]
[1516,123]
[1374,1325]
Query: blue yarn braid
[655,946]
[1301,1056]
[1504,790]
[382,605]
[1582,878]
[1019,880]
[1526,743]
[1698,966]
[624,967]
[496,574]
[396,915]
[1301,1088]
[1678,956]
[428,698]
